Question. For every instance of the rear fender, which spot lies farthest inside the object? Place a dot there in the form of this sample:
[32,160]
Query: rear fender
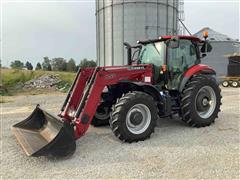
[197,69]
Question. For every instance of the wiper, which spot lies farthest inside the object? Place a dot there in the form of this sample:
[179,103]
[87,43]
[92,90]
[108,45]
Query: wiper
[142,53]
[154,45]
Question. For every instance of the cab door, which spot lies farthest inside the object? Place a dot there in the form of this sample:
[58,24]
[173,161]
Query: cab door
[179,60]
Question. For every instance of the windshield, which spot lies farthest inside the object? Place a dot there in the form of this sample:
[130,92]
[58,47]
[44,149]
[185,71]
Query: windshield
[153,54]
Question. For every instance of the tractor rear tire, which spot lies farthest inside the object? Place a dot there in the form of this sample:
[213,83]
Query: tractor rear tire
[200,101]
[134,116]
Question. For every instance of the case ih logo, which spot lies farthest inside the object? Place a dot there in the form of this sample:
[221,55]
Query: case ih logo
[136,67]
[110,76]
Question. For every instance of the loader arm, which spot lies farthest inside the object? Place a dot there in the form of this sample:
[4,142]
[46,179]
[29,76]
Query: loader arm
[72,100]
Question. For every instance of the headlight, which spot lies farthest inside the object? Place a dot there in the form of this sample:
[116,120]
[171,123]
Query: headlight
[71,112]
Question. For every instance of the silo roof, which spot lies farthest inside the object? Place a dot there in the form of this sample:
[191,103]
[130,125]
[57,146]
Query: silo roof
[214,35]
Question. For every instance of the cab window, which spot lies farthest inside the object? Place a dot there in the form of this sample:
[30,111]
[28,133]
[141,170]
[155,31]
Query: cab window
[153,54]
[184,57]
[179,60]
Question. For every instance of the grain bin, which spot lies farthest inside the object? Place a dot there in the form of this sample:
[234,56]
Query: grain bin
[120,21]
[222,45]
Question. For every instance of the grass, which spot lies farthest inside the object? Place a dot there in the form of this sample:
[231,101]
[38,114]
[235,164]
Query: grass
[12,77]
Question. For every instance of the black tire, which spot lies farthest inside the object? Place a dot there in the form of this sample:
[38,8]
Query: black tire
[235,84]
[101,119]
[118,120]
[225,83]
[99,122]
[190,101]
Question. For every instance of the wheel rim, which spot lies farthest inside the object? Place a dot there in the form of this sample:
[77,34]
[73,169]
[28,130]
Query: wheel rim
[225,83]
[205,102]
[234,84]
[138,119]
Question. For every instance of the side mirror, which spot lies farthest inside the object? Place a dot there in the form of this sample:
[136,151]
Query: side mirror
[206,47]
[135,55]
[173,43]
[129,52]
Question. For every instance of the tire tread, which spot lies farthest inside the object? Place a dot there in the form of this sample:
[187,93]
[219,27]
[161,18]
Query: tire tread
[116,116]
[187,95]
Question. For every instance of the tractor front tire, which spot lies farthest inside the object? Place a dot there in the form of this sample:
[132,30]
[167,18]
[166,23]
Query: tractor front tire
[200,101]
[134,116]
[101,117]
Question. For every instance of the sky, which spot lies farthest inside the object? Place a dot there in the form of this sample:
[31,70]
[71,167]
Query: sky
[31,30]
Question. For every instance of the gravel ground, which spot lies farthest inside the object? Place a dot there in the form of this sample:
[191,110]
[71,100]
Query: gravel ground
[174,150]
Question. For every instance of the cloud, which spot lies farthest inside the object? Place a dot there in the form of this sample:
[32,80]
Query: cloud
[34,30]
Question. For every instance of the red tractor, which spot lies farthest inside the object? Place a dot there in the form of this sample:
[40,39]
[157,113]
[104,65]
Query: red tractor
[163,77]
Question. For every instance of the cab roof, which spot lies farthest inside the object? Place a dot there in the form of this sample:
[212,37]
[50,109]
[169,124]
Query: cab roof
[164,38]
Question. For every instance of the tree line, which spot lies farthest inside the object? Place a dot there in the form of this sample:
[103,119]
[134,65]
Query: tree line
[55,64]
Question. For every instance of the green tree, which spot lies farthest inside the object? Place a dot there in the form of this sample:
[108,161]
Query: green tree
[17,64]
[29,66]
[87,63]
[46,65]
[59,64]
[71,65]
[38,67]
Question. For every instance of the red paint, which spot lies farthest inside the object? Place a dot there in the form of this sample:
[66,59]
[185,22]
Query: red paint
[198,68]
[194,38]
[75,98]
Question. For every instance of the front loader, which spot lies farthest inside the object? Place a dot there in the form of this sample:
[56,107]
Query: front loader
[163,77]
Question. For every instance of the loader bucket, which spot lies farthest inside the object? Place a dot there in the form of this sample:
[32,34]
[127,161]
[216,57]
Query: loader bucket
[43,134]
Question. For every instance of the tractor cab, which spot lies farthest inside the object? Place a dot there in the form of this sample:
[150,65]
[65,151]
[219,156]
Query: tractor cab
[171,57]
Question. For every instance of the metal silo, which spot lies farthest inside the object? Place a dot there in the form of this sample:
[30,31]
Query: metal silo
[120,21]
